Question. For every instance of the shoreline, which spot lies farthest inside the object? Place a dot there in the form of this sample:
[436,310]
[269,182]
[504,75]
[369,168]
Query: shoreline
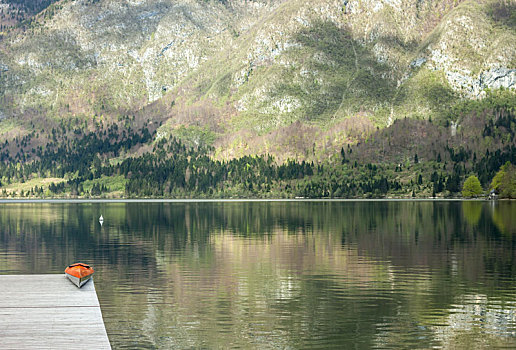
[237,200]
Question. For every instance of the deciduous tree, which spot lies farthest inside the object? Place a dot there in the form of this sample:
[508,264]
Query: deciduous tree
[472,187]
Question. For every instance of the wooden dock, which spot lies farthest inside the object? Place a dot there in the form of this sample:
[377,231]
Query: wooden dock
[49,312]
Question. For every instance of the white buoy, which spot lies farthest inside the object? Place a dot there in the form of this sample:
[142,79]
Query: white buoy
[101,220]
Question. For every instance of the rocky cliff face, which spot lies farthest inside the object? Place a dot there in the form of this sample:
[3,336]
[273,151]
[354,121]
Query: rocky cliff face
[241,70]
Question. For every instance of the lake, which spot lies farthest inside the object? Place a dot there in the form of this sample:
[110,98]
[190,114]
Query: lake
[282,275]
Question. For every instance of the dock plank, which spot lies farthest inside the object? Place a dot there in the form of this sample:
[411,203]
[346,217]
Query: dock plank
[49,312]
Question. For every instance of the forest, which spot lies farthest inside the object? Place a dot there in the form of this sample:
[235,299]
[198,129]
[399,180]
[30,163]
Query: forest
[119,160]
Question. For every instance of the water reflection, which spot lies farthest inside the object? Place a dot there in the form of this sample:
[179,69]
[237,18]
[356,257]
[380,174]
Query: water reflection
[282,274]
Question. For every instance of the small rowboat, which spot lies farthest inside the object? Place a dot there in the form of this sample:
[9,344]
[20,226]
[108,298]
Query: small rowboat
[79,273]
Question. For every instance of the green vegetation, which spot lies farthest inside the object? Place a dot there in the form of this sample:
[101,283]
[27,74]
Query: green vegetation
[472,187]
[343,74]
[426,94]
[504,182]
[193,136]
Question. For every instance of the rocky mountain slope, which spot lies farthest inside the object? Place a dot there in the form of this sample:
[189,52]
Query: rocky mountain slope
[295,78]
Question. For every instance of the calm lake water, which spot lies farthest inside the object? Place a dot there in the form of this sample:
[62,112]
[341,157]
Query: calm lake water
[282,275]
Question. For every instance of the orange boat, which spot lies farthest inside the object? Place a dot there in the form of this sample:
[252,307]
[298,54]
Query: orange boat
[79,273]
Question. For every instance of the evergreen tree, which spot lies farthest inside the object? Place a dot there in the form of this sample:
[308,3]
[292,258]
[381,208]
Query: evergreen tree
[452,183]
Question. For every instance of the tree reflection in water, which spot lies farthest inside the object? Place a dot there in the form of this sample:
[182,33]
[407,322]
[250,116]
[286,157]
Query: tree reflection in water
[282,274]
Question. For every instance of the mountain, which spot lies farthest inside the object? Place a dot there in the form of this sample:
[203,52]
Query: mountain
[251,76]
[327,88]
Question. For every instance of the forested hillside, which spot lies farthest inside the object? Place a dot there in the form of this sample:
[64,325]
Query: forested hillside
[19,13]
[411,158]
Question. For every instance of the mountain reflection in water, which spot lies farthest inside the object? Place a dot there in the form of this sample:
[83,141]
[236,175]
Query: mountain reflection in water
[282,274]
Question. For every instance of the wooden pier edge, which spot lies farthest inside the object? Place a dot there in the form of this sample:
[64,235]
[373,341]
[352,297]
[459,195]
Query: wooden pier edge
[49,312]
